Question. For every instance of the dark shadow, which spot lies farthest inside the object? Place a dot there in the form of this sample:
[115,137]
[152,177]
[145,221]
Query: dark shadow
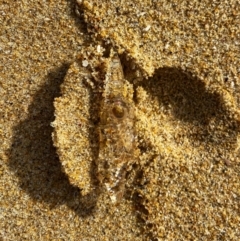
[77,13]
[33,157]
[187,95]
[188,99]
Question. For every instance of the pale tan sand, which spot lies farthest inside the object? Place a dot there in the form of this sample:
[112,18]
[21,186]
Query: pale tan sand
[186,184]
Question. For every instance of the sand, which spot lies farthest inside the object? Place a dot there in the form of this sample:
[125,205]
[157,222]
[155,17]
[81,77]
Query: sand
[182,60]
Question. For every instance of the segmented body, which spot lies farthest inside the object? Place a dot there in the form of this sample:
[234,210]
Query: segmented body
[116,130]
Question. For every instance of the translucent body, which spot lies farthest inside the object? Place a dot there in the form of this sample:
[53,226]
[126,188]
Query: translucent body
[116,131]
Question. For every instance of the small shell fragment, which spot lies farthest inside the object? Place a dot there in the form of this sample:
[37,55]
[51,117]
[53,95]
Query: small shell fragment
[147,28]
[84,63]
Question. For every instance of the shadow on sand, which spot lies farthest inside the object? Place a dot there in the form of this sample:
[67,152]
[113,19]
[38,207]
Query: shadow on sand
[33,157]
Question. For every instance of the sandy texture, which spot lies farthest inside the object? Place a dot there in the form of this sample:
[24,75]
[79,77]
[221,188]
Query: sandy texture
[183,61]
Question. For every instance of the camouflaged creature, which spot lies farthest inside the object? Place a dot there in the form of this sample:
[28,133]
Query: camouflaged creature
[116,130]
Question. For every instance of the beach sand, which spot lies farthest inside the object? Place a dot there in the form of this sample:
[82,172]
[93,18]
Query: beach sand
[182,60]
